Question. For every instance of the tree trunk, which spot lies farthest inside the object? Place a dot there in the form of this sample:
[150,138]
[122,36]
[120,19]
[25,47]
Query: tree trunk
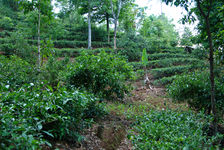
[211,61]
[116,17]
[212,77]
[108,28]
[115,34]
[39,58]
[89,28]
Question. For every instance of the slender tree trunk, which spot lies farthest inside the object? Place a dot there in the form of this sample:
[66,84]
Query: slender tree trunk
[115,34]
[89,28]
[108,28]
[116,17]
[212,77]
[211,61]
[39,58]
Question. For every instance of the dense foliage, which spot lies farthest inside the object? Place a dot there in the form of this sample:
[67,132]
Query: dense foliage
[33,113]
[132,45]
[103,74]
[15,72]
[194,89]
[170,130]
[159,31]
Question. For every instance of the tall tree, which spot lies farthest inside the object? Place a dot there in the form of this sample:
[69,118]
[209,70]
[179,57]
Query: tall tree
[89,26]
[103,13]
[116,14]
[88,6]
[42,7]
[160,31]
[205,8]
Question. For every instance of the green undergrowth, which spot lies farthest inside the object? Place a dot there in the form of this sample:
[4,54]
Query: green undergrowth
[166,128]
[194,88]
[34,113]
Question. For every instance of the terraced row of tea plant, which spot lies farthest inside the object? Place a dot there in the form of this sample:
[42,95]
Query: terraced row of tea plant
[166,64]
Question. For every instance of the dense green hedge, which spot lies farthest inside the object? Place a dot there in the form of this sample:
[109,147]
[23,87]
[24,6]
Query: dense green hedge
[74,44]
[173,50]
[169,71]
[7,48]
[4,33]
[164,80]
[77,52]
[5,40]
[157,56]
[169,62]
[136,65]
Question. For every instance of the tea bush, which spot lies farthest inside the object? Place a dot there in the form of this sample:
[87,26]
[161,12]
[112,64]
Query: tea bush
[195,88]
[103,74]
[170,130]
[169,62]
[34,113]
[169,71]
[77,52]
[164,80]
[15,72]
[78,44]
[51,70]
[160,56]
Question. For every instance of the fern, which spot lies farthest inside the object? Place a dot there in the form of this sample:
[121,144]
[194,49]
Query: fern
[144,58]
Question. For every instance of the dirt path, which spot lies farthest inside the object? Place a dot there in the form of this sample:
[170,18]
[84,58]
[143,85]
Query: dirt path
[111,132]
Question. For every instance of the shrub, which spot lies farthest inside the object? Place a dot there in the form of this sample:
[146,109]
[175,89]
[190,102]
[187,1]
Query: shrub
[170,130]
[34,113]
[51,70]
[22,48]
[15,72]
[6,23]
[103,74]
[195,90]
[7,49]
